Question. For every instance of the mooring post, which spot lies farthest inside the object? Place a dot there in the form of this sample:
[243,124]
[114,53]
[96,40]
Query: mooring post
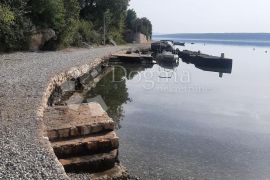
[222,55]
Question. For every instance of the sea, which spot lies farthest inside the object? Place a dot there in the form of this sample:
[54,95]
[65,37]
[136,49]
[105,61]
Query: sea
[184,122]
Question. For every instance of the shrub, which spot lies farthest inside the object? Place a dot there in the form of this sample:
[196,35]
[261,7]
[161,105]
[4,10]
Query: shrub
[67,36]
[48,13]
[15,27]
[6,15]
[87,33]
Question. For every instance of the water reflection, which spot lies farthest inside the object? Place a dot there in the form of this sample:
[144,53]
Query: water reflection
[168,65]
[113,89]
[214,66]
[167,68]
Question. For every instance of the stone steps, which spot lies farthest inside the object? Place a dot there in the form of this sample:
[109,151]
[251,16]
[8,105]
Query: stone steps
[102,142]
[84,140]
[76,120]
[91,163]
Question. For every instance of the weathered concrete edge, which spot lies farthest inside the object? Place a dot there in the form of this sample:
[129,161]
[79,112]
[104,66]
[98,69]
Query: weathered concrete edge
[54,81]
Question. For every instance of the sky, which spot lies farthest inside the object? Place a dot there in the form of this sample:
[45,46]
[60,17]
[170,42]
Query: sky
[205,16]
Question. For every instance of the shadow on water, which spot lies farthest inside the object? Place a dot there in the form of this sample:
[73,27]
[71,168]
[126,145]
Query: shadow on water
[210,66]
[112,86]
[113,89]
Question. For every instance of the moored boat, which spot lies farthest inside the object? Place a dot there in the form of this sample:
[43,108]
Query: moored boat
[179,43]
[161,46]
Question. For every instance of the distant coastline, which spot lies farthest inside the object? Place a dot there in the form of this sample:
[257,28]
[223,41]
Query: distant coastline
[248,39]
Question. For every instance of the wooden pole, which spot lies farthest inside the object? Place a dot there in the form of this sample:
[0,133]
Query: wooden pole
[104,29]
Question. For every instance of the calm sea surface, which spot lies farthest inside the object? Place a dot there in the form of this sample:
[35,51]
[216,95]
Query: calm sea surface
[187,123]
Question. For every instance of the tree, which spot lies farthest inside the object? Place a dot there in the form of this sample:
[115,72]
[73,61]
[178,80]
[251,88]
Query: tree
[67,34]
[146,27]
[48,13]
[94,10]
[15,26]
[6,15]
[142,25]
[131,19]
[74,22]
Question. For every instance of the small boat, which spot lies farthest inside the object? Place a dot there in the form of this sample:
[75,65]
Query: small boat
[179,43]
[167,57]
[161,46]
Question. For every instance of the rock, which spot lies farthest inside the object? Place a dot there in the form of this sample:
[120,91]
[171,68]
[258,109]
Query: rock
[40,37]
[112,42]
[48,34]
[85,45]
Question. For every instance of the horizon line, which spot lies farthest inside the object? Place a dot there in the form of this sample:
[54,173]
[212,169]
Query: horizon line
[156,33]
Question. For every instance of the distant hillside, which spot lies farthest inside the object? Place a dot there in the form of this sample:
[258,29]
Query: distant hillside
[227,36]
[250,39]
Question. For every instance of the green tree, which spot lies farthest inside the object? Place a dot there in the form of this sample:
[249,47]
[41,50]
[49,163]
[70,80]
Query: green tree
[69,31]
[74,21]
[94,11]
[15,26]
[48,13]
[144,26]
[131,19]
[6,15]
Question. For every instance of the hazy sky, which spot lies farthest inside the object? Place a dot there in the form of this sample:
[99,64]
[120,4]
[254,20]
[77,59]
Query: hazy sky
[190,16]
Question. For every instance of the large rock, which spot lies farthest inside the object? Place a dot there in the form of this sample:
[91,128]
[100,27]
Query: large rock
[40,37]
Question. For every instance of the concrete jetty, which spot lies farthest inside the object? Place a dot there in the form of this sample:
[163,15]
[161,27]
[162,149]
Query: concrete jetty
[139,55]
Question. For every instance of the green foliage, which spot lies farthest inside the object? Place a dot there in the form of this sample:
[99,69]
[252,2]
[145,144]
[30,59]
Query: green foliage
[114,12]
[48,13]
[116,33]
[15,27]
[74,22]
[68,33]
[88,34]
[6,15]
[72,9]
[131,19]
[142,25]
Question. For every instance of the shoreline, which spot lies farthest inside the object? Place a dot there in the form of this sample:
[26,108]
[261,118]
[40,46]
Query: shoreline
[27,79]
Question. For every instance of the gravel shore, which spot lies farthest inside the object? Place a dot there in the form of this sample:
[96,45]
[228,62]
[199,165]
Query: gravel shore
[25,81]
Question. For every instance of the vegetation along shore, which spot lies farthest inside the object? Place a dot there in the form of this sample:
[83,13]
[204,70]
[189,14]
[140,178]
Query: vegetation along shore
[56,24]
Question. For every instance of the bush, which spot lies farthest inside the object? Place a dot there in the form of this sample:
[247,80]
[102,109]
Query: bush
[48,13]
[67,36]
[6,15]
[87,32]
[74,22]
[15,27]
